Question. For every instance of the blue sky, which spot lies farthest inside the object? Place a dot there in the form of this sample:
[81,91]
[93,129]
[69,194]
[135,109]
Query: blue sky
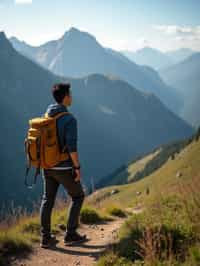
[119,24]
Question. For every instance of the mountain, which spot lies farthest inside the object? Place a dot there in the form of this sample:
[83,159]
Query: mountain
[185,77]
[21,46]
[21,80]
[150,57]
[78,53]
[180,54]
[116,121]
[156,59]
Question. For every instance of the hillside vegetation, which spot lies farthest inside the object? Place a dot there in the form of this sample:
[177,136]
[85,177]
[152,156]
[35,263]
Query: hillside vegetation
[144,165]
[164,232]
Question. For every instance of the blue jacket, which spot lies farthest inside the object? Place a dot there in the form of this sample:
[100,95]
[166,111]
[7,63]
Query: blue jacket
[67,130]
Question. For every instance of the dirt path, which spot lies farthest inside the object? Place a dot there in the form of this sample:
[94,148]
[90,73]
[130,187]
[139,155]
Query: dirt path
[85,254]
[100,236]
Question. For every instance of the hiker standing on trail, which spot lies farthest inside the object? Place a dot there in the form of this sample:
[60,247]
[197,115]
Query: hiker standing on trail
[66,172]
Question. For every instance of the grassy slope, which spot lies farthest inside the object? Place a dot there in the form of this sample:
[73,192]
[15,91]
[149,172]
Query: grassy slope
[187,162]
[161,182]
[144,165]
[173,203]
[140,164]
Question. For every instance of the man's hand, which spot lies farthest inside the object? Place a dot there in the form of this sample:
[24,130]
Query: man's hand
[78,175]
[74,157]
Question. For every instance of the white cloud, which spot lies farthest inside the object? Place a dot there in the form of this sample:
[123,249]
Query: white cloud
[187,38]
[183,35]
[23,1]
[179,30]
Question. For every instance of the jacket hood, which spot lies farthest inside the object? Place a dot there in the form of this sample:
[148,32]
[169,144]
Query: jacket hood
[54,109]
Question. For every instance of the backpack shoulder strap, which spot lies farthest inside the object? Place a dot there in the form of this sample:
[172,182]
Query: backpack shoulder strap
[56,116]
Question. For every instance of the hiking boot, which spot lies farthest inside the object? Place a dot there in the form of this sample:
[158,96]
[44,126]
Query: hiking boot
[47,242]
[74,238]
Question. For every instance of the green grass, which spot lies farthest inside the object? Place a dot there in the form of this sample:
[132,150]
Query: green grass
[168,230]
[20,237]
[113,259]
[158,236]
[171,211]
[90,216]
[116,211]
[13,243]
[139,165]
[31,227]
[160,182]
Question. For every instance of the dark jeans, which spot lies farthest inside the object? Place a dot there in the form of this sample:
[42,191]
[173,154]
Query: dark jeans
[52,180]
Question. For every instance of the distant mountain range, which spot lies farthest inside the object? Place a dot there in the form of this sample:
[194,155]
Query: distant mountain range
[185,76]
[180,54]
[78,53]
[150,57]
[116,121]
[157,59]
[179,69]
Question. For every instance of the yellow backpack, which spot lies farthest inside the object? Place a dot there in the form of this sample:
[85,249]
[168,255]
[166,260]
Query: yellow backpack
[41,145]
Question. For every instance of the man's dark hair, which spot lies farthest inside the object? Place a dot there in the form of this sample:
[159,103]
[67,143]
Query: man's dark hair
[60,90]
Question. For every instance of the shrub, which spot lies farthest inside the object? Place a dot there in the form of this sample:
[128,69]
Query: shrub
[90,216]
[115,211]
[12,243]
[195,255]
[32,227]
[111,259]
[152,240]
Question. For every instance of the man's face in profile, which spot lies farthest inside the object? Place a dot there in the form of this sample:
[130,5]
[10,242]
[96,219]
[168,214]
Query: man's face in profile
[68,99]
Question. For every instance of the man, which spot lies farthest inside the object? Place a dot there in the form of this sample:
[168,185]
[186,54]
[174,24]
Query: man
[65,172]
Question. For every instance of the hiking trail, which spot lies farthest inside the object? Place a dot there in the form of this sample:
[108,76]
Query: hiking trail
[86,254]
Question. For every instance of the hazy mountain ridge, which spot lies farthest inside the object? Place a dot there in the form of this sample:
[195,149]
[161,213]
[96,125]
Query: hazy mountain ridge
[185,77]
[150,57]
[180,54]
[157,59]
[78,54]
